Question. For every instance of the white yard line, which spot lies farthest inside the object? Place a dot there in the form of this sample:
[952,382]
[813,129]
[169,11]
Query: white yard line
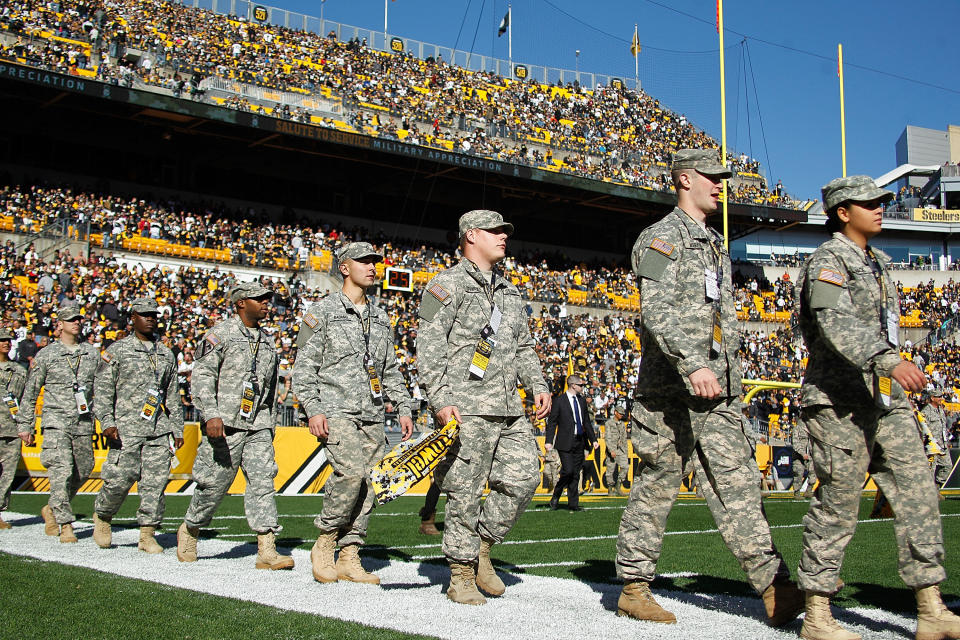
[411,598]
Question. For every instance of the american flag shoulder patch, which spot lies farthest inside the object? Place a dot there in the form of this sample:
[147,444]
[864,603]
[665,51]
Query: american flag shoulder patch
[438,292]
[212,339]
[662,246]
[106,357]
[831,276]
[310,321]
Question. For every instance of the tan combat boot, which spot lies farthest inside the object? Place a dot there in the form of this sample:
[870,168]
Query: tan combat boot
[783,602]
[147,542]
[321,557]
[463,585]
[818,623]
[622,490]
[187,543]
[636,601]
[267,556]
[50,526]
[934,620]
[487,578]
[428,526]
[4,524]
[66,533]
[102,534]
[350,569]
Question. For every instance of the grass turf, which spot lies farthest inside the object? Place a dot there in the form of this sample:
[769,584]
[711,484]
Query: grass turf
[33,591]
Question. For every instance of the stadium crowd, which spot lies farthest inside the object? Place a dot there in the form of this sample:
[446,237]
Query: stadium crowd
[615,135]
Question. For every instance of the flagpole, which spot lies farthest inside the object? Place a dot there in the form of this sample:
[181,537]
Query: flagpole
[636,58]
[843,120]
[723,123]
[510,36]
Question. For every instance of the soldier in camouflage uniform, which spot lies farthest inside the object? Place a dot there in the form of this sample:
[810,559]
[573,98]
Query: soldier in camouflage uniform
[64,370]
[141,416]
[337,378]
[12,379]
[687,410]
[473,346]
[937,423]
[234,385]
[858,416]
[802,462]
[615,437]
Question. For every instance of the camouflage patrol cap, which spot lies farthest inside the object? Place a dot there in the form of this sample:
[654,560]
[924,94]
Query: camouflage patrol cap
[855,188]
[936,393]
[621,406]
[359,250]
[68,311]
[143,305]
[705,161]
[483,219]
[5,335]
[246,290]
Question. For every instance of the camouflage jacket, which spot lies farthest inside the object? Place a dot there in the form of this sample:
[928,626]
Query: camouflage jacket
[670,259]
[839,304]
[800,440]
[223,366]
[55,370]
[12,380]
[615,436]
[128,369]
[453,311]
[936,421]
[329,376]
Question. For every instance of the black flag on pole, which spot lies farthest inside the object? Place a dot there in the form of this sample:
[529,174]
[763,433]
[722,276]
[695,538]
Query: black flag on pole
[504,24]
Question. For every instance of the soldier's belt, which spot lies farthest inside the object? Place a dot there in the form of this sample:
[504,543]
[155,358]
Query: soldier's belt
[411,461]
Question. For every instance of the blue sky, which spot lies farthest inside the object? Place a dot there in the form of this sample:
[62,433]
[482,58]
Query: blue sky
[782,104]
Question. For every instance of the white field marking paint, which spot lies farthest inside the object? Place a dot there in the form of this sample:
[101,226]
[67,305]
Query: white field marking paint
[668,533]
[411,598]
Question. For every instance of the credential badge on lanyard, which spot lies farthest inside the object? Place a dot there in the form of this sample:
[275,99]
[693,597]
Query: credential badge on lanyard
[485,345]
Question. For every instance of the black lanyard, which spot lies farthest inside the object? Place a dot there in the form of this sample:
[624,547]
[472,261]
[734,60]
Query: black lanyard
[365,326]
[718,256]
[254,350]
[154,360]
[76,368]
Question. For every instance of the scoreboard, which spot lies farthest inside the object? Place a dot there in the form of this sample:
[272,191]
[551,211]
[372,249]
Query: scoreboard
[395,279]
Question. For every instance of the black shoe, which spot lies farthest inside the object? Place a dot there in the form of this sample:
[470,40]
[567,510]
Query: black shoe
[577,508]
[554,505]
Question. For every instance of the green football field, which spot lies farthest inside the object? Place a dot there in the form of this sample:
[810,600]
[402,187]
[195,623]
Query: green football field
[73,602]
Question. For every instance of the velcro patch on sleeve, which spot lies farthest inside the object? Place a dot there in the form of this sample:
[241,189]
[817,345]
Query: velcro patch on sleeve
[106,357]
[212,339]
[438,292]
[831,276]
[662,246]
[310,321]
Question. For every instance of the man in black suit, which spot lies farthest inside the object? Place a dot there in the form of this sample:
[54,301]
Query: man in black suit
[570,431]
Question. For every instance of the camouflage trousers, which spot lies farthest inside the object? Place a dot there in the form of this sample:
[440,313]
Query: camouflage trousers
[145,461]
[215,468]
[617,468]
[69,462]
[803,467]
[353,447]
[891,450]
[500,451]
[942,465]
[709,436]
[9,457]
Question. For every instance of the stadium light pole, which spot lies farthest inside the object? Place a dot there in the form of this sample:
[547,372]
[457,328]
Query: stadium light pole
[578,65]
[323,30]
